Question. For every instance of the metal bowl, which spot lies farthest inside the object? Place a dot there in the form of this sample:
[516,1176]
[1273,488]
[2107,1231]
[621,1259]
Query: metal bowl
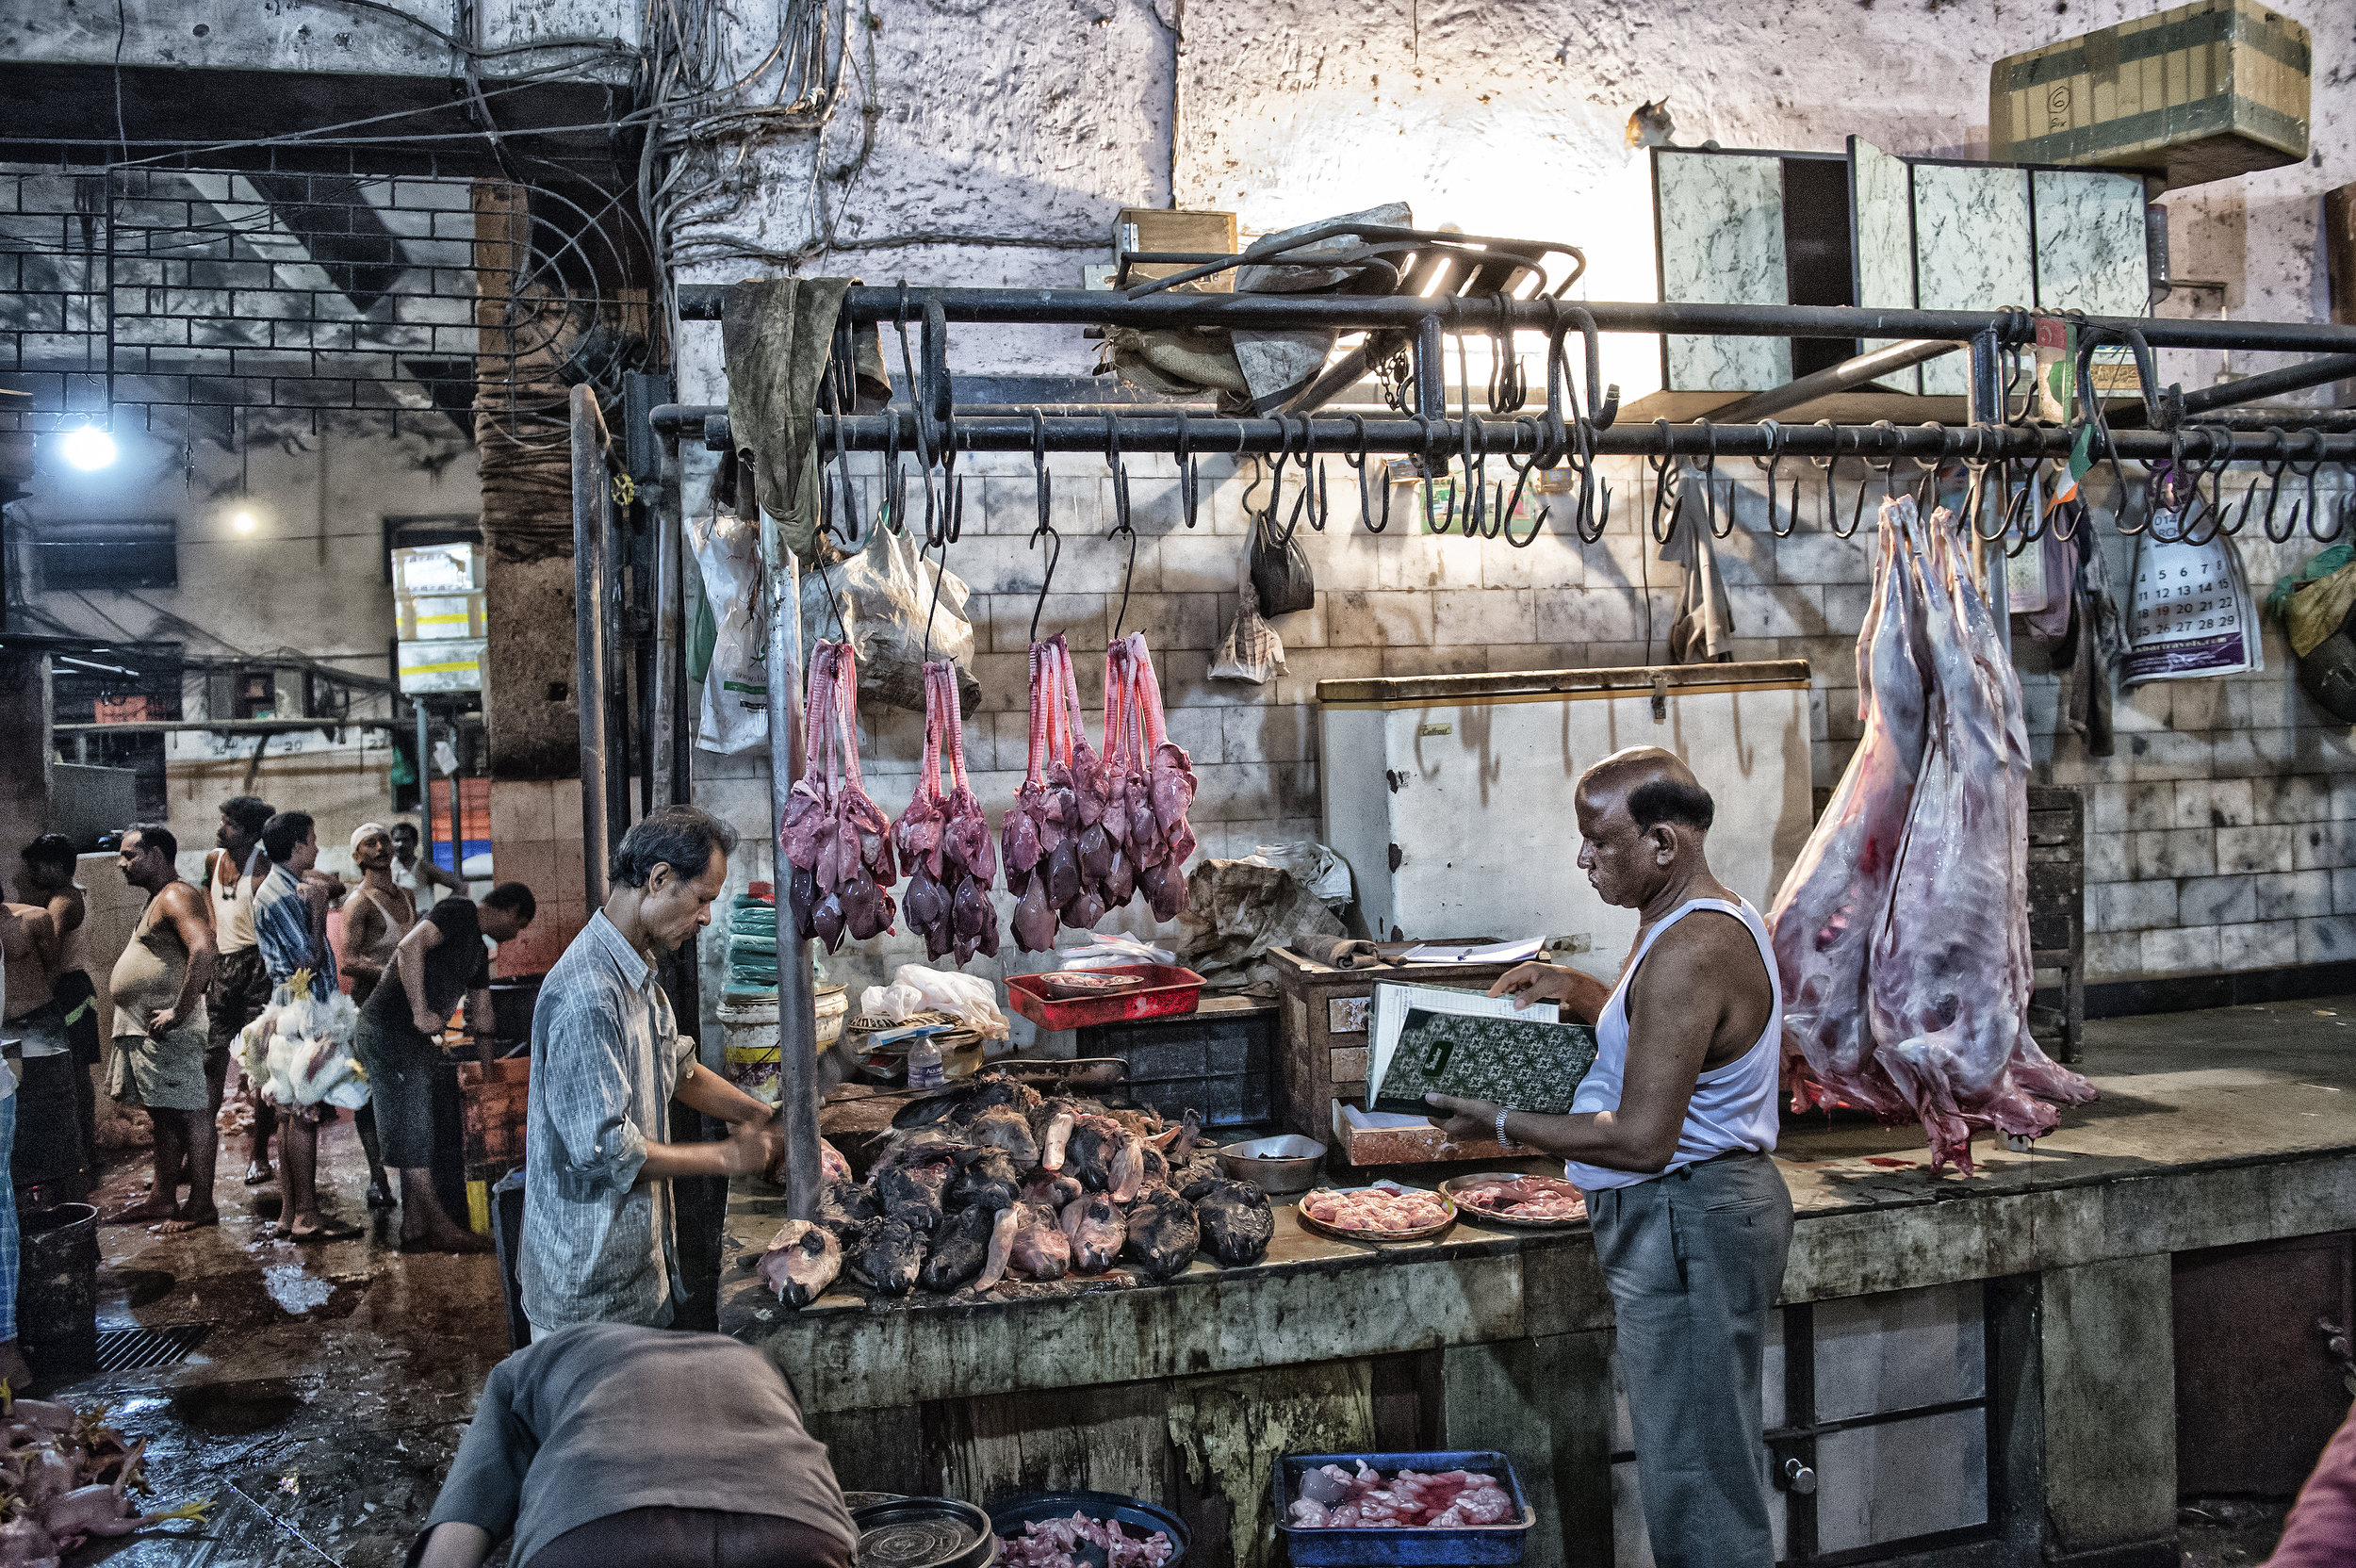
[1278,1166]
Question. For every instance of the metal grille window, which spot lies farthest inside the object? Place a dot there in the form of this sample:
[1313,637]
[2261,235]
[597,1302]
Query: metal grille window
[115,553]
[167,287]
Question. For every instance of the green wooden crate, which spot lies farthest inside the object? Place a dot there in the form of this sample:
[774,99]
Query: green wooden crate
[2200,93]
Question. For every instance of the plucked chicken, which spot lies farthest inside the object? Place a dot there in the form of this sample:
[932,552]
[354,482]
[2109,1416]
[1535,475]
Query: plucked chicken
[836,840]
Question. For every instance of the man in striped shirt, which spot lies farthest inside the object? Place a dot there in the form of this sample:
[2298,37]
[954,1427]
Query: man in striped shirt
[290,929]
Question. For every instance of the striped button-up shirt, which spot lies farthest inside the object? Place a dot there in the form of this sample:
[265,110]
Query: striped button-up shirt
[601,1245]
[283,929]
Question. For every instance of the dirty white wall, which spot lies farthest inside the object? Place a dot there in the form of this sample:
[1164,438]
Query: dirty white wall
[309,577]
[2218,829]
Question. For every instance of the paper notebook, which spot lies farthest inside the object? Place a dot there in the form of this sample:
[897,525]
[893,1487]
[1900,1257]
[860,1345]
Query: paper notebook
[1432,1039]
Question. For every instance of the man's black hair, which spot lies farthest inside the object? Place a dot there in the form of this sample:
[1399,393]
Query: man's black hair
[1660,800]
[248,814]
[51,849]
[154,835]
[681,837]
[514,898]
[283,832]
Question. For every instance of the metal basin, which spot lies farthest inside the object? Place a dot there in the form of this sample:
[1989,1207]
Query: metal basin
[1277,1165]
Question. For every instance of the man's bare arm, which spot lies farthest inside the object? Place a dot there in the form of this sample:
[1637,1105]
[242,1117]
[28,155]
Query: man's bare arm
[66,908]
[183,908]
[1679,994]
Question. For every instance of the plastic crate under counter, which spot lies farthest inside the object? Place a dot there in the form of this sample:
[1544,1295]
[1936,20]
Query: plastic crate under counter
[1218,1061]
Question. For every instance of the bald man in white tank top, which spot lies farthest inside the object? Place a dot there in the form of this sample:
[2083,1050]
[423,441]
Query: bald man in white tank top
[1668,1136]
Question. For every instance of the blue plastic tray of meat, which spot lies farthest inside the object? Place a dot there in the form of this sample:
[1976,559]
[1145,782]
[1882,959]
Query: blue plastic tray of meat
[1469,1544]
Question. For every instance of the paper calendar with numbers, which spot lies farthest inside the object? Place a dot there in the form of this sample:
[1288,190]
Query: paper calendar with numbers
[2190,613]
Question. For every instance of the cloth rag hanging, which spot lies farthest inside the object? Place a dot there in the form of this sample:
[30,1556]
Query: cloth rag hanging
[1703,632]
[777,335]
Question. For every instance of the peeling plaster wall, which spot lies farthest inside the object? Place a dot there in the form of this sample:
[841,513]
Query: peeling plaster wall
[290,35]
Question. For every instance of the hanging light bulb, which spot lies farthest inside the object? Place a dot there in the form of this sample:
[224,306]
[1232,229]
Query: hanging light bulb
[89,448]
[243,522]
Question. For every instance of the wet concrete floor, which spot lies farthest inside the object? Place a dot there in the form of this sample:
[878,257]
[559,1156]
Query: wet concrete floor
[323,1405]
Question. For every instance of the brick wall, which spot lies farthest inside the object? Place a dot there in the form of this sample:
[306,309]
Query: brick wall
[2216,831]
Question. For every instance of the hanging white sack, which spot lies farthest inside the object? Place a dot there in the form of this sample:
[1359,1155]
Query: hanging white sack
[735,711]
[2190,613]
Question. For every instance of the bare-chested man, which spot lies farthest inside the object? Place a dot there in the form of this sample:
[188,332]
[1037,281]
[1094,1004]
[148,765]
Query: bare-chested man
[49,866]
[1668,1136]
[158,1059]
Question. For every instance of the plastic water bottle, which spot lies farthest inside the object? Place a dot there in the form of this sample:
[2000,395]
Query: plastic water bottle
[924,1069]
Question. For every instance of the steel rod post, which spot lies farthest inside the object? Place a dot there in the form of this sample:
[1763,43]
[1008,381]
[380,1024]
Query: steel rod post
[617,663]
[591,583]
[670,643]
[425,774]
[797,1010]
[1479,316]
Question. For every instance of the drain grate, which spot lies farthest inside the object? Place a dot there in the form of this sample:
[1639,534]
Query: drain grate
[134,1349]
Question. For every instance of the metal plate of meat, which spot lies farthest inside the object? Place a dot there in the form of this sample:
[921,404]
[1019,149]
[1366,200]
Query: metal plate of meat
[1064,984]
[1343,1232]
[1458,1187]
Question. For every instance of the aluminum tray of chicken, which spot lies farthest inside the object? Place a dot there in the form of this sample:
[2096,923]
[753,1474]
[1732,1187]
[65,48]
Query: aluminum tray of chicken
[1384,1212]
[1503,1198]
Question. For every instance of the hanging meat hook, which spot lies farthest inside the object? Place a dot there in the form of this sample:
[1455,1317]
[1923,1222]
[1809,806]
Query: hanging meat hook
[1668,487]
[1189,479]
[1887,470]
[1705,471]
[1046,529]
[1434,435]
[2270,467]
[1507,389]
[1473,447]
[1768,466]
[1120,475]
[2307,472]
[1830,467]
[1357,461]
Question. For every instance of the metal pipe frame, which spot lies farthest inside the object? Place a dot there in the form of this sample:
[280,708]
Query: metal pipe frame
[797,994]
[1844,377]
[2250,389]
[1402,438]
[593,585]
[1479,316]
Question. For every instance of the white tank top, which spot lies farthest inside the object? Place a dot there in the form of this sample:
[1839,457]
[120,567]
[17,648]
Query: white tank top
[1733,1106]
[233,905]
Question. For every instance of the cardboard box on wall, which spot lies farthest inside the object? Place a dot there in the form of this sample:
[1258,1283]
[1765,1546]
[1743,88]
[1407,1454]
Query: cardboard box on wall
[452,665]
[438,569]
[431,617]
[2196,93]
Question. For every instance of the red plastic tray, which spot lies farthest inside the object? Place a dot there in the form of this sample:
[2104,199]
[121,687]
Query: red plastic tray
[1168,990]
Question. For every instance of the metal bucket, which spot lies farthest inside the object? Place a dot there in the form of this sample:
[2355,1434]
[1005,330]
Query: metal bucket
[56,1292]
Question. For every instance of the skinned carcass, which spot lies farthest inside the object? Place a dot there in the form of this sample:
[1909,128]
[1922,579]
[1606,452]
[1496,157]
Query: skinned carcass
[1148,784]
[836,840]
[1897,1000]
[1825,916]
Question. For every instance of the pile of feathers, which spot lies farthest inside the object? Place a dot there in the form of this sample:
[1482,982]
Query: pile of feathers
[65,1476]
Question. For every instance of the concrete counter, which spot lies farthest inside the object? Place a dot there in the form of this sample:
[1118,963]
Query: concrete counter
[2215,1129]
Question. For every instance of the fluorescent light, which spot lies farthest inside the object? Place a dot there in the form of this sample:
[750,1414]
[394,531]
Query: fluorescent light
[89,448]
[243,522]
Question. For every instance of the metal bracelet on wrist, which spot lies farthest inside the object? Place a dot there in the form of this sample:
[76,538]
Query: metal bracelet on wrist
[1502,1113]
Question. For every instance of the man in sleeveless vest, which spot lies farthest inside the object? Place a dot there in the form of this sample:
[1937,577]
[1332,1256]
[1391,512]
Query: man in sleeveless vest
[159,1030]
[1668,1135]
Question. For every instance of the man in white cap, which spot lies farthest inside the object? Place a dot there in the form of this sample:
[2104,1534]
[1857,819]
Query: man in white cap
[377,914]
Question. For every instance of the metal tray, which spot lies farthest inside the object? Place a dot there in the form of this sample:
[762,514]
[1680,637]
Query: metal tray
[924,1533]
[1424,1233]
[1472,1544]
[1138,1516]
[1479,1216]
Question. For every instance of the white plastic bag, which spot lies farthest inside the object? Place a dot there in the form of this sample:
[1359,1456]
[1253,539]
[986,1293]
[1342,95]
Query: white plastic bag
[1251,650]
[880,601]
[965,997]
[735,713]
[2190,613]
[1318,869]
[895,1001]
[1111,950]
